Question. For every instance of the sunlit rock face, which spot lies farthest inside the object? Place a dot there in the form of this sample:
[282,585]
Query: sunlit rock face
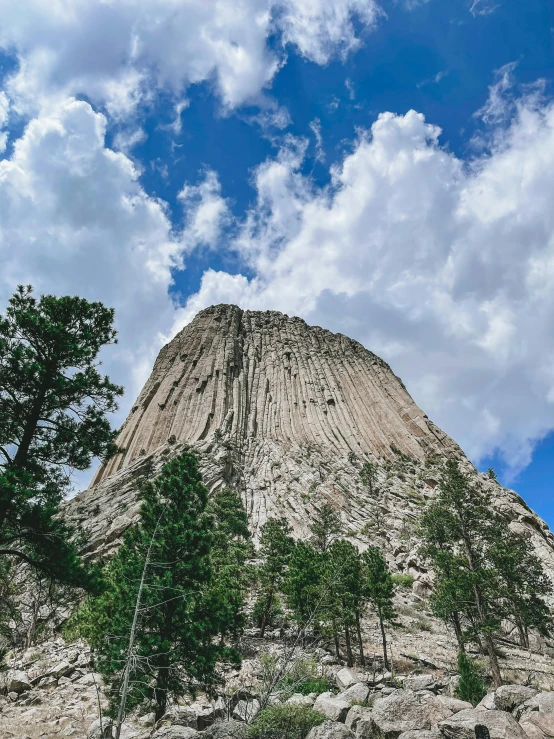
[259,377]
[287,413]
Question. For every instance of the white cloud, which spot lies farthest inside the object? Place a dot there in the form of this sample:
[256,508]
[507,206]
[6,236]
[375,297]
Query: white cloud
[75,220]
[118,53]
[206,212]
[443,267]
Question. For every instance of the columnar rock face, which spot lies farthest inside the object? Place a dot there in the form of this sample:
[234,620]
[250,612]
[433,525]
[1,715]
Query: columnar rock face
[287,414]
[264,377]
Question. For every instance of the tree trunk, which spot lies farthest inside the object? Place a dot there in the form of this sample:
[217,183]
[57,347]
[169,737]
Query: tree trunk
[458,632]
[493,661]
[160,693]
[29,430]
[267,611]
[523,639]
[349,655]
[384,639]
[336,637]
[360,640]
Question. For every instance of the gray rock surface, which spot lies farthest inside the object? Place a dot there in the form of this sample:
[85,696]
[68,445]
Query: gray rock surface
[354,716]
[17,681]
[404,711]
[175,732]
[543,721]
[501,725]
[330,730]
[332,706]
[226,730]
[346,678]
[420,682]
[508,697]
[358,692]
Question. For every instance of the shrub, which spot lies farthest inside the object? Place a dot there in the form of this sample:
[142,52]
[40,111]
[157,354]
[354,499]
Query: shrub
[470,688]
[285,721]
[403,581]
[274,615]
[303,676]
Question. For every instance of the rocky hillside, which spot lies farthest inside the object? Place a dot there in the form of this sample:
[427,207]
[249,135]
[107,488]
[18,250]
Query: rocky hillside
[287,413]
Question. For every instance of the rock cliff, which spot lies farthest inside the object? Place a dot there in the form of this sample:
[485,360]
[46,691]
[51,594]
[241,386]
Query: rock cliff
[287,413]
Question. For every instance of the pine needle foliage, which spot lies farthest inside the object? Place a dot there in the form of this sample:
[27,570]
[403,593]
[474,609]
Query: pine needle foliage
[53,406]
[175,649]
[471,687]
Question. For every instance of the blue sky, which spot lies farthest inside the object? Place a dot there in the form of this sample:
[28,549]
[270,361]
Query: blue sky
[382,169]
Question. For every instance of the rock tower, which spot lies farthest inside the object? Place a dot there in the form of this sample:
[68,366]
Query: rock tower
[287,413]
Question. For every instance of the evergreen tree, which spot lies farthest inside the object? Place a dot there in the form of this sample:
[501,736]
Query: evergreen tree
[53,406]
[169,552]
[232,546]
[368,476]
[379,589]
[325,528]
[470,687]
[343,596]
[484,572]
[303,584]
[276,546]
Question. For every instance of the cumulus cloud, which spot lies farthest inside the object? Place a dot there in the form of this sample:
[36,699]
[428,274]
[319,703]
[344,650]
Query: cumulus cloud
[119,53]
[444,268]
[74,219]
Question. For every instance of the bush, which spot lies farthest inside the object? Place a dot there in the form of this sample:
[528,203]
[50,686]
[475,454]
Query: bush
[303,676]
[275,615]
[470,688]
[403,581]
[285,721]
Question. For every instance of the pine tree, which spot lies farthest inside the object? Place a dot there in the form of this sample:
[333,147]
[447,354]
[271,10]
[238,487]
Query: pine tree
[325,527]
[484,572]
[174,646]
[276,546]
[368,476]
[342,582]
[232,546]
[53,406]
[303,584]
[379,590]
[470,687]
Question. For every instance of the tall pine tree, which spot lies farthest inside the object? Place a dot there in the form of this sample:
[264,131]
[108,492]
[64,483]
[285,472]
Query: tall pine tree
[378,588]
[53,406]
[174,646]
[484,572]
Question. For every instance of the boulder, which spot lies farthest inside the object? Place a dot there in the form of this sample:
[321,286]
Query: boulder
[508,697]
[345,678]
[364,728]
[245,710]
[175,732]
[487,702]
[419,682]
[226,730]
[357,693]
[17,681]
[404,711]
[422,734]
[461,725]
[531,731]
[332,706]
[543,721]
[62,669]
[452,704]
[330,730]
[106,732]
[354,715]
[302,700]
[545,701]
